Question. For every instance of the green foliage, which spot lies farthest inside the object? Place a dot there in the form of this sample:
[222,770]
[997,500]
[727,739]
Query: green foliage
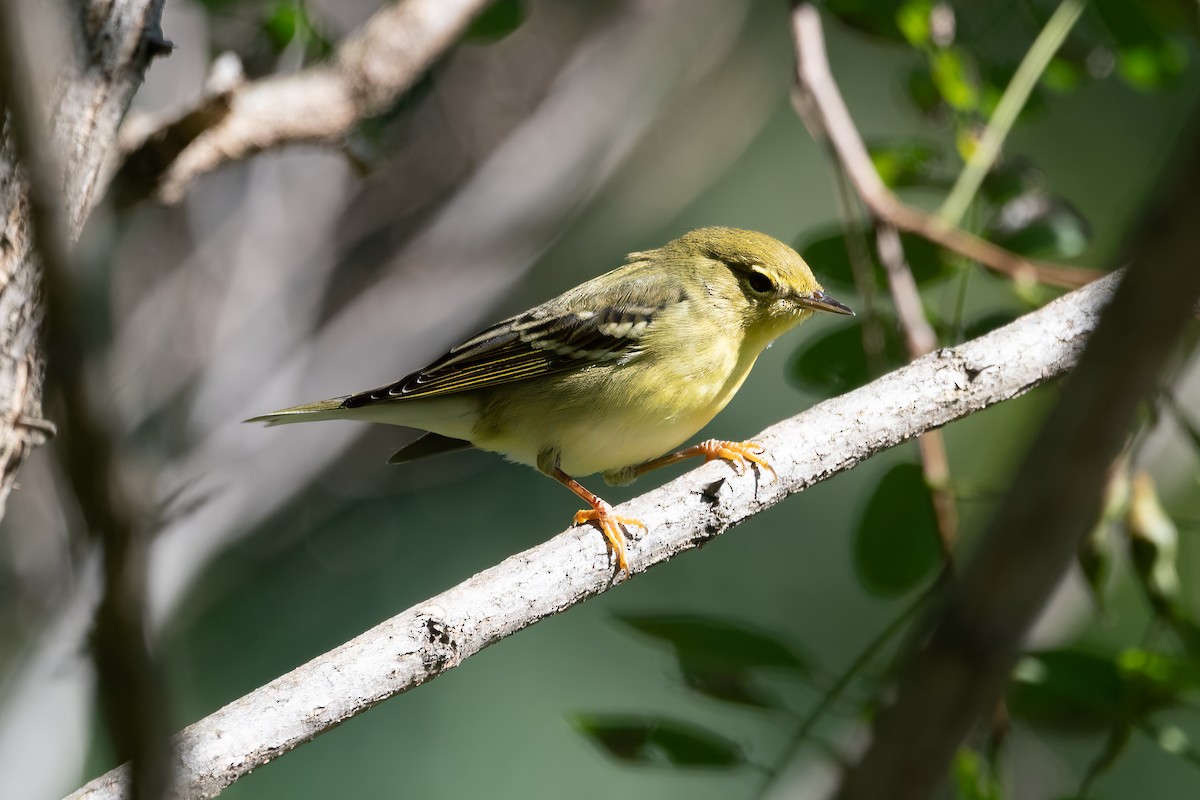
[717,658]
[497,21]
[827,247]
[288,21]
[1035,224]
[658,741]
[908,162]
[896,541]
[834,362]
[974,778]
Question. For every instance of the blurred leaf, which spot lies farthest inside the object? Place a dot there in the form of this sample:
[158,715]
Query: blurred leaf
[1010,178]
[912,18]
[874,17]
[1067,691]
[1036,224]
[1159,677]
[923,92]
[703,642]
[973,777]
[953,73]
[496,21]
[825,249]
[281,24]
[1098,550]
[287,20]
[906,163]
[728,686]
[658,741]
[1135,22]
[1151,66]
[896,544]
[1062,75]
[988,322]
[1071,691]
[834,362]
[1153,548]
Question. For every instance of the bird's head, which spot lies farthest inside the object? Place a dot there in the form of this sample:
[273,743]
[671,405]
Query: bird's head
[767,281]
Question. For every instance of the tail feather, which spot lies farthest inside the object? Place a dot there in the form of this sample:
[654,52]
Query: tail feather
[309,412]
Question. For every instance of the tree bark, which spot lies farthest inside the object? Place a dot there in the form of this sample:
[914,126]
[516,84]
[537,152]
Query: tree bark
[111,47]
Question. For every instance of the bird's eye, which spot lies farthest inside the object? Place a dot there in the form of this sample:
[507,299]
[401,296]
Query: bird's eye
[760,282]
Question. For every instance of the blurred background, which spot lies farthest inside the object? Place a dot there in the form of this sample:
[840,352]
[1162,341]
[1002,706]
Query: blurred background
[557,136]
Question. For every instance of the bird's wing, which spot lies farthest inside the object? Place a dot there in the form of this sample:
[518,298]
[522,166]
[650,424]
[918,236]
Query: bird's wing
[539,342]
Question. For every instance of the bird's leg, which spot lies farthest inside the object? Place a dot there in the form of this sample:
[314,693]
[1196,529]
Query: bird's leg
[739,454]
[600,513]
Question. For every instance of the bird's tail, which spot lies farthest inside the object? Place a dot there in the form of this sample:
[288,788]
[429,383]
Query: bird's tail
[309,412]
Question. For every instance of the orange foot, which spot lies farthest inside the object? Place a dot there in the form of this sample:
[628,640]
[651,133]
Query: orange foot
[610,525]
[739,454]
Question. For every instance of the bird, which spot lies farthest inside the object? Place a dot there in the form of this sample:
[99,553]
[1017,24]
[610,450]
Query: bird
[610,375]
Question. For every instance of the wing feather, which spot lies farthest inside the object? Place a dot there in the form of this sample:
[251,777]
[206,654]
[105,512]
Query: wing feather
[538,342]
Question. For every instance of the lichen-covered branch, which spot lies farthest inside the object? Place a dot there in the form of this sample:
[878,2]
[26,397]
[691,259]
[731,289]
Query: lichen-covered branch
[95,82]
[368,71]
[438,634]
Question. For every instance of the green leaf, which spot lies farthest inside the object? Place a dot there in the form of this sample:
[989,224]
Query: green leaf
[1159,677]
[913,20]
[1062,75]
[825,249]
[728,686]
[658,741]
[1010,178]
[287,20]
[1066,690]
[1151,65]
[874,17]
[282,22]
[896,544]
[712,644]
[923,92]
[953,73]
[906,163]
[1071,691]
[1034,223]
[973,777]
[834,362]
[496,21]
[1154,549]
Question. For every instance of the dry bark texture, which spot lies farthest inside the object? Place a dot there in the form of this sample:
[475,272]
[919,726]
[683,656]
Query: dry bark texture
[97,78]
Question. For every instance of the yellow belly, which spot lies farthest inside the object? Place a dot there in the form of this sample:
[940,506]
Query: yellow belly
[609,417]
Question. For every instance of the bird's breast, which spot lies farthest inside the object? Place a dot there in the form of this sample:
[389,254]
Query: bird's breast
[608,417]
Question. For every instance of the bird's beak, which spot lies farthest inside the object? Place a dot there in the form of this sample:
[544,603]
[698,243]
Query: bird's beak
[819,301]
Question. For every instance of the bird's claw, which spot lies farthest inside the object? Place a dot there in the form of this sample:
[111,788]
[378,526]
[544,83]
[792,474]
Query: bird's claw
[610,525]
[740,455]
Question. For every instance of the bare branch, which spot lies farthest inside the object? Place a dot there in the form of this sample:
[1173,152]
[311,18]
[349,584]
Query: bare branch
[817,92]
[425,641]
[369,70]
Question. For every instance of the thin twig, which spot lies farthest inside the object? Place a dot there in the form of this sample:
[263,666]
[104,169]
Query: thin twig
[130,687]
[919,335]
[440,633]
[1015,96]
[815,79]
[921,339]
